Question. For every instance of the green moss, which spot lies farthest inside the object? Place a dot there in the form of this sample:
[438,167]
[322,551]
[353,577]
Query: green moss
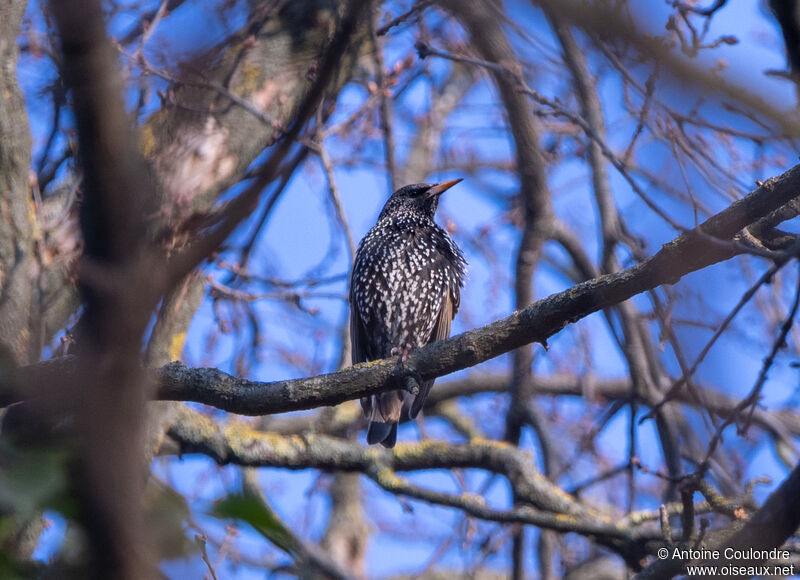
[147,138]
[248,79]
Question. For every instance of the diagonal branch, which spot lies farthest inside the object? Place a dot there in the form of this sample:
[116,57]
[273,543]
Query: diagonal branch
[687,253]
[535,323]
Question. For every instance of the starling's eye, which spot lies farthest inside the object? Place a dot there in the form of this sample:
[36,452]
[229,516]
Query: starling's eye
[416,191]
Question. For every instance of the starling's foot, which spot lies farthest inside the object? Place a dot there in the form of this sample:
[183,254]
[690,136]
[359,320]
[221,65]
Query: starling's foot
[403,352]
[407,378]
[411,384]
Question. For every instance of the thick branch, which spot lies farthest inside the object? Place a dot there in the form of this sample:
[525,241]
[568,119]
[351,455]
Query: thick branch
[536,323]
[16,229]
[106,395]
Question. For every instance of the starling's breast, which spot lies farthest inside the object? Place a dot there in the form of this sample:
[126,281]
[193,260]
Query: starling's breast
[403,271]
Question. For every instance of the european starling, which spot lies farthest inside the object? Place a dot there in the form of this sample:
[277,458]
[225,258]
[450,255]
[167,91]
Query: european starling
[404,292]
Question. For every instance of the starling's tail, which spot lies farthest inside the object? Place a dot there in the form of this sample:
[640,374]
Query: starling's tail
[384,413]
[383,433]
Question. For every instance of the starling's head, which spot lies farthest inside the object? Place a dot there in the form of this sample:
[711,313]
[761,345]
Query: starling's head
[418,197]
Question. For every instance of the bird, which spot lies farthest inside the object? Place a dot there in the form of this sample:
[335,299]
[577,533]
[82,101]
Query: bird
[405,289]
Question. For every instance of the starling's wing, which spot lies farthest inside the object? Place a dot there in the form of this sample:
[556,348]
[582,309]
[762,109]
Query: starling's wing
[358,336]
[440,330]
[358,346]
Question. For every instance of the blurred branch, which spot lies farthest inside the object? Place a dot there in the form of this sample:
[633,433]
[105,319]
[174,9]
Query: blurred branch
[336,199]
[346,535]
[781,425]
[769,527]
[785,12]
[242,205]
[488,38]
[612,21]
[687,374]
[123,275]
[777,519]
[146,20]
[752,398]
[118,299]
[421,158]
[415,10]
[385,113]
[635,343]
[716,5]
[166,343]
[541,502]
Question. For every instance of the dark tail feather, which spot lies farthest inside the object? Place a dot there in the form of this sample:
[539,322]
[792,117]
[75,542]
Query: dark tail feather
[384,413]
[383,433]
[419,400]
[392,438]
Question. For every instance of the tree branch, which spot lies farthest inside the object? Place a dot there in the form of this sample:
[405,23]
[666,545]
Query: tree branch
[685,254]
[536,323]
[541,503]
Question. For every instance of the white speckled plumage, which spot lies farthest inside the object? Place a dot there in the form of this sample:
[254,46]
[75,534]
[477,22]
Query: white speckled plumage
[404,291]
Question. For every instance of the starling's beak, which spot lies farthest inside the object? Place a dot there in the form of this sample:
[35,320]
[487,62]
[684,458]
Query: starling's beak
[440,188]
